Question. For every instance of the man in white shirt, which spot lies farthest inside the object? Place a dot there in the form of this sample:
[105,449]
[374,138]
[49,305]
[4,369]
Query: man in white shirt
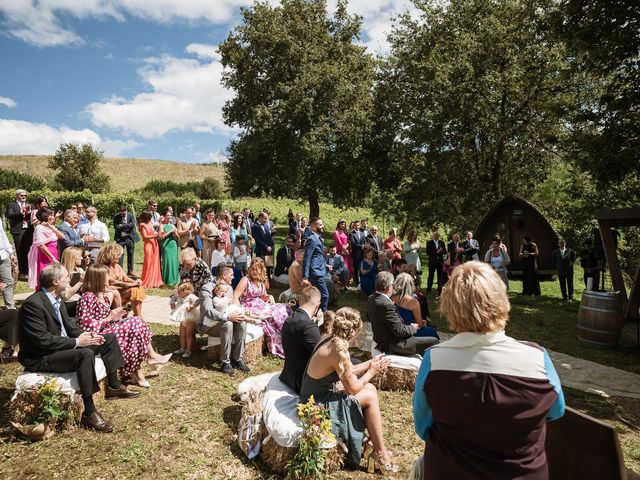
[7,261]
[155,216]
[96,230]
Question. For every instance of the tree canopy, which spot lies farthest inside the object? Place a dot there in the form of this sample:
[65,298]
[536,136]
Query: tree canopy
[78,168]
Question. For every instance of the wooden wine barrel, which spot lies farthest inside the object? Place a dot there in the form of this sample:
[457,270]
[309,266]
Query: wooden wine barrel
[600,319]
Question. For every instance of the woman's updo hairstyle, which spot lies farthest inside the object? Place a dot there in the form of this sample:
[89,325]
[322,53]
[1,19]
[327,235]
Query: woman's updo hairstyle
[346,325]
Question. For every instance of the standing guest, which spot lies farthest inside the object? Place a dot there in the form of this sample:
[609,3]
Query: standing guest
[341,242]
[152,206]
[82,218]
[284,259]
[18,215]
[503,246]
[261,234]
[151,272]
[303,232]
[193,269]
[209,233]
[188,229]
[130,290]
[96,230]
[8,260]
[272,226]
[392,242]
[368,271]
[133,334]
[169,249]
[197,214]
[563,259]
[529,254]
[237,229]
[124,224]
[374,241]
[411,249]
[314,268]
[224,224]
[482,395]
[295,225]
[364,226]
[247,221]
[499,260]
[240,257]
[591,263]
[435,254]
[356,241]
[44,249]
[455,252]
[27,237]
[336,268]
[68,229]
[471,248]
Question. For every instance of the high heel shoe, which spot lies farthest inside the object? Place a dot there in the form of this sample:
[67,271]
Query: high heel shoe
[161,360]
[375,463]
[134,380]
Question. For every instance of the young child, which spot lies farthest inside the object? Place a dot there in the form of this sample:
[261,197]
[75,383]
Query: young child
[240,254]
[223,304]
[184,309]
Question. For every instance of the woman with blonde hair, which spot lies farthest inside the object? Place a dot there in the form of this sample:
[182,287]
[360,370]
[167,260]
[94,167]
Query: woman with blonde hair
[482,396]
[133,334]
[252,294]
[130,290]
[72,261]
[408,306]
[354,405]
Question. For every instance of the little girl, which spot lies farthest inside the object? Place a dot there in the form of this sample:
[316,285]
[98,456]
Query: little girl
[240,254]
[184,309]
[223,304]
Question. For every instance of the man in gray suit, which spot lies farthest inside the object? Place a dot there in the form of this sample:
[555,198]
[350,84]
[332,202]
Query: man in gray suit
[68,229]
[231,328]
[390,333]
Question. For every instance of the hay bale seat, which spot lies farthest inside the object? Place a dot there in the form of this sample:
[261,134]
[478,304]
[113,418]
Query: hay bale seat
[400,375]
[255,346]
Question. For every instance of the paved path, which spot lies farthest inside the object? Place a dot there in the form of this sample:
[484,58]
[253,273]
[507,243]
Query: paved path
[574,372]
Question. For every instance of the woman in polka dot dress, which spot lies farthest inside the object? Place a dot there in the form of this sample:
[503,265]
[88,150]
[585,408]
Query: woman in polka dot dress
[134,335]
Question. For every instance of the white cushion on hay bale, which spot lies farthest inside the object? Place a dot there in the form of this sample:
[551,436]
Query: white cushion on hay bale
[400,374]
[68,382]
[254,344]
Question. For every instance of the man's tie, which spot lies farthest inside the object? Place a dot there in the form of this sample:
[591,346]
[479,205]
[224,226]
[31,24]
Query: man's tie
[56,307]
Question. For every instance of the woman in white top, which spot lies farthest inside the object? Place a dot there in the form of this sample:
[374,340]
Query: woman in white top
[499,259]
[219,255]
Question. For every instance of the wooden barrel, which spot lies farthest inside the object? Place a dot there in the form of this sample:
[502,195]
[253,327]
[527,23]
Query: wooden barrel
[600,319]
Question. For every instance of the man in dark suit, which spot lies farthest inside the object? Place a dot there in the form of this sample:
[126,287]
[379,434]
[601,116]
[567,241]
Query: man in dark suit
[68,229]
[261,233]
[591,263]
[284,259]
[18,214]
[300,335]
[563,259]
[374,240]
[124,224]
[436,250]
[295,224]
[356,240]
[390,333]
[471,248]
[314,269]
[50,341]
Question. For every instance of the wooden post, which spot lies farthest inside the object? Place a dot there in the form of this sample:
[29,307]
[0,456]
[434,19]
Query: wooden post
[632,312]
[608,244]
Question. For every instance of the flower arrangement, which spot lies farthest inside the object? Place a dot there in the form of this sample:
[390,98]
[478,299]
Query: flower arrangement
[309,461]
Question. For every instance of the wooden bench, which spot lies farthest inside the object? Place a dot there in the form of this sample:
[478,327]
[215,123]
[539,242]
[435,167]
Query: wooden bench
[581,447]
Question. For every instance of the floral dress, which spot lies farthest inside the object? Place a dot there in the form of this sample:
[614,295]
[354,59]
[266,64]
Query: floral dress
[272,315]
[133,333]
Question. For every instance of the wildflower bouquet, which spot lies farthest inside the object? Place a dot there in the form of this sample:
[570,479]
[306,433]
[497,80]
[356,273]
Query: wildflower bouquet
[309,461]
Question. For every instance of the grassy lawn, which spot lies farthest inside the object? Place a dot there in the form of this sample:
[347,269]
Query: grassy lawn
[184,425]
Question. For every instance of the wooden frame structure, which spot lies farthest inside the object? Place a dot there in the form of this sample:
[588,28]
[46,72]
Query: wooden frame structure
[608,219]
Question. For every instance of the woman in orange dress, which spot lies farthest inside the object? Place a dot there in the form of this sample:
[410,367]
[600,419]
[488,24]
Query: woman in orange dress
[129,289]
[151,272]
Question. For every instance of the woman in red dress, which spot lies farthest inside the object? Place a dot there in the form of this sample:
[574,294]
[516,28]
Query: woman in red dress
[393,243]
[151,271]
[341,242]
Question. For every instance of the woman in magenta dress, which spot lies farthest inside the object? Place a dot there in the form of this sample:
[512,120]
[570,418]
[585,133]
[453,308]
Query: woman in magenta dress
[134,336]
[151,272]
[44,249]
[341,242]
[393,243]
[224,223]
[252,294]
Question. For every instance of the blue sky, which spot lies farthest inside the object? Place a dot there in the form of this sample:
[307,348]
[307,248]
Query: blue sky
[137,78]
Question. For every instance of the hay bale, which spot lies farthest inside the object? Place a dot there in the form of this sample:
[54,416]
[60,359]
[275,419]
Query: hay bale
[22,405]
[395,379]
[253,351]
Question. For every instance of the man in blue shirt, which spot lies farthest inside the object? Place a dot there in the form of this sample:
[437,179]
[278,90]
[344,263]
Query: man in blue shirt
[314,268]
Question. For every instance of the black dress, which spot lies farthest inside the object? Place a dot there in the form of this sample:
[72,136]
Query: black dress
[530,282]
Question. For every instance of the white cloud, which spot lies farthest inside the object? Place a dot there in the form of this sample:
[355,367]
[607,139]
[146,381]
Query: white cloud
[7,102]
[109,56]
[203,50]
[185,95]
[20,137]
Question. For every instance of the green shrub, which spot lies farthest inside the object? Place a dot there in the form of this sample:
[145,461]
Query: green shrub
[211,188]
[12,179]
[166,187]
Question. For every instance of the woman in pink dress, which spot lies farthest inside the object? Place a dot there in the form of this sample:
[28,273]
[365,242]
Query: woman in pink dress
[134,336]
[341,242]
[44,249]
[393,243]
[151,272]
[252,294]
[224,223]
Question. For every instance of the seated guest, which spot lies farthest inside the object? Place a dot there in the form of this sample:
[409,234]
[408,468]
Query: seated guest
[300,335]
[284,259]
[193,269]
[294,278]
[50,341]
[384,261]
[389,331]
[357,403]
[8,331]
[231,327]
[133,334]
[72,261]
[482,399]
[219,254]
[129,290]
[408,305]
[368,271]
[336,268]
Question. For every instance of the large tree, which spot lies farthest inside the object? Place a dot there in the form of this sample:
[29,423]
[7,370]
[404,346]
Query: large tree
[78,168]
[303,98]
[470,105]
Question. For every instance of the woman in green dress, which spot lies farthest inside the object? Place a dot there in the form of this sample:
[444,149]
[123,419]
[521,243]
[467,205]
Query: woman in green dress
[169,246]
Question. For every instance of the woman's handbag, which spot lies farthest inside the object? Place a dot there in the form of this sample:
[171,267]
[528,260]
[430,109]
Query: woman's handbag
[268,261]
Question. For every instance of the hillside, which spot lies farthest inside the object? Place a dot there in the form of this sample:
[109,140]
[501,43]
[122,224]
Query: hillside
[126,173]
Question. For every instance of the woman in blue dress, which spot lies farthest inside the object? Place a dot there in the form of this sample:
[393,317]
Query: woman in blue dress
[408,305]
[368,271]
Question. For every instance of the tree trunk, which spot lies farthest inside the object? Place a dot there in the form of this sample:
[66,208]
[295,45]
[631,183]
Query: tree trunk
[314,205]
